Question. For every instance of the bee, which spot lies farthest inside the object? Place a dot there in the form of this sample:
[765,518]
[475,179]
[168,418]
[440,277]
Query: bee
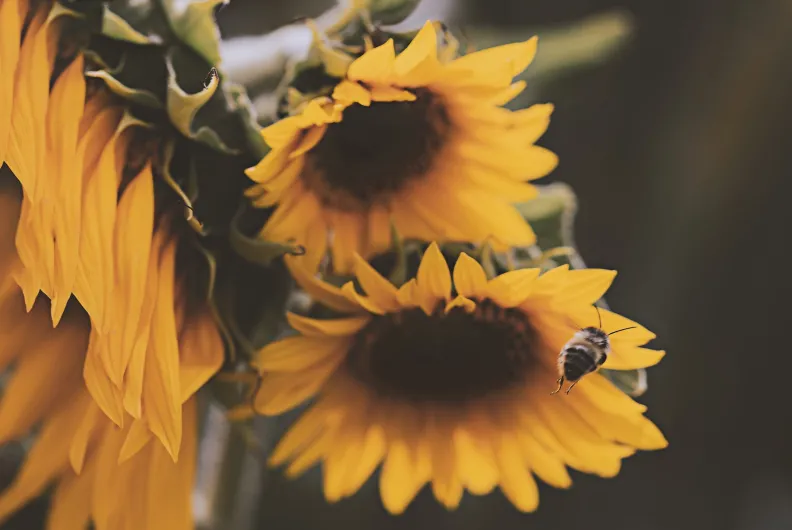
[585,352]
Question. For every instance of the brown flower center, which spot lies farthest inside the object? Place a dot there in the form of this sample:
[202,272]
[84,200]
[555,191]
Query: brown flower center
[452,357]
[375,151]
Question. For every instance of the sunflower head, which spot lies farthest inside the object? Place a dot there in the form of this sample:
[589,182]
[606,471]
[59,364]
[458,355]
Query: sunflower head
[448,379]
[417,140]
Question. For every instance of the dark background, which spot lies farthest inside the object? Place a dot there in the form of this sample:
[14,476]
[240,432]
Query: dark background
[678,150]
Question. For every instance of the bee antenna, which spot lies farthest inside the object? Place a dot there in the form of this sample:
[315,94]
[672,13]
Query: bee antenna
[620,330]
[599,316]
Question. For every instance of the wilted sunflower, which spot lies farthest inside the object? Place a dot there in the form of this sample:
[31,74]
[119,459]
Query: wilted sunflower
[449,383]
[113,384]
[419,139]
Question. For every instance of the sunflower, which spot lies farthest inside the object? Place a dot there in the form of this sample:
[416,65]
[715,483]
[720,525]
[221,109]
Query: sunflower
[419,140]
[103,341]
[449,382]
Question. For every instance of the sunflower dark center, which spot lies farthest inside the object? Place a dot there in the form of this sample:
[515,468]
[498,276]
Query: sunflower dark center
[452,357]
[374,151]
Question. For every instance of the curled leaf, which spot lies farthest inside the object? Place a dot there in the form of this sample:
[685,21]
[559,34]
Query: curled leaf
[139,96]
[631,382]
[194,23]
[182,108]
[115,27]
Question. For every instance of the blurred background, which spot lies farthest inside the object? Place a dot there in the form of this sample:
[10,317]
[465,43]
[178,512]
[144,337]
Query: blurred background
[674,130]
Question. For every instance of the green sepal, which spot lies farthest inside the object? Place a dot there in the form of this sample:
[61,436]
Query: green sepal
[163,55]
[389,12]
[211,300]
[194,24]
[117,28]
[138,96]
[257,250]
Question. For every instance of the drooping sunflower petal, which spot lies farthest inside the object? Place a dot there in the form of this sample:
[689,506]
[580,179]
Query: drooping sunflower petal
[161,386]
[48,457]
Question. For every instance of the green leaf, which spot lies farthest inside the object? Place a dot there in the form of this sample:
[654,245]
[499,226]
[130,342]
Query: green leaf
[257,250]
[228,339]
[193,22]
[551,215]
[631,382]
[389,12]
[182,108]
[139,96]
[243,107]
[117,28]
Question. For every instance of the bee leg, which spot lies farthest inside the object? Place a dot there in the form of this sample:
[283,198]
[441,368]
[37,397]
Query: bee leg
[560,382]
[570,387]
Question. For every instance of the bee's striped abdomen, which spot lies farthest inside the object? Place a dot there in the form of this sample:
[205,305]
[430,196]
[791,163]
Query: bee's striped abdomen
[578,362]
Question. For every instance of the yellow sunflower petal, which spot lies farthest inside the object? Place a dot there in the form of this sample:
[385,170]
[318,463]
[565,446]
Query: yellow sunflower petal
[71,503]
[294,354]
[631,429]
[631,357]
[27,141]
[133,234]
[340,327]
[135,369]
[48,457]
[470,279]
[516,481]
[103,391]
[63,122]
[477,468]
[434,279]
[584,286]
[281,133]
[43,376]
[329,295]
[95,274]
[12,15]
[389,93]
[312,454]
[309,140]
[161,386]
[380,290]
[538,162]
[170,485]
[418,65]
[351,92]
[446,482]
[592,453]
[271,165]
[508,94]
[105,498]
[89,428]
[371,453]
[202,354]
[137,437]
[365,302]
[307,428]
[515,57]
[374,66]
[405,470]
[512,288]
[408,294]
[460,301]
[543,462]
[280,392]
